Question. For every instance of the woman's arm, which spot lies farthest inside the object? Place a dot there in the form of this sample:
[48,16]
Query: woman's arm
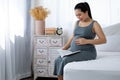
[99,32]
[100,35]
[67,45]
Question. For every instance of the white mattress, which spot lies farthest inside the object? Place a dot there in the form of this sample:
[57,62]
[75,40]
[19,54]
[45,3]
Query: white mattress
[105,67]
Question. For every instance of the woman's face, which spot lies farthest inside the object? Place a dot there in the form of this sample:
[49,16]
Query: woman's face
[81,15]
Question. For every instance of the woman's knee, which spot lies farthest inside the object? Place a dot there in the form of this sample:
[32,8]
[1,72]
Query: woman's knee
[66,59]
[58,59]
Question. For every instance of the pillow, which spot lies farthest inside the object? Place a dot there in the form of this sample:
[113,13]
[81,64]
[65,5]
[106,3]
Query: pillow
[112,30]
[113,44]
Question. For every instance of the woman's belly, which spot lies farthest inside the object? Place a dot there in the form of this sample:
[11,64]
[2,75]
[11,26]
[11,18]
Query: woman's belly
[86,47]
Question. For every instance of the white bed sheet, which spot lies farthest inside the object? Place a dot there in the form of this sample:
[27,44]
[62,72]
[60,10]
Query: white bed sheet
[105,67]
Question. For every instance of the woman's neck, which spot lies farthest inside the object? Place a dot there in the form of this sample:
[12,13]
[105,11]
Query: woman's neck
[87,20]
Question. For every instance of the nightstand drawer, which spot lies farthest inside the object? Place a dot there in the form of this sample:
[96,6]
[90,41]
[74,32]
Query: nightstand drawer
[38,62]
[40,52]
[41,71]
[42,41]
[55,42]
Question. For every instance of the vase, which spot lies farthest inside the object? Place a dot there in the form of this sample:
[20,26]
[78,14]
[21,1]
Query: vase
[39,27]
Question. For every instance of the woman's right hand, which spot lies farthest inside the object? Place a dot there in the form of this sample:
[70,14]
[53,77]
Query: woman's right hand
[81,41]
[67,45]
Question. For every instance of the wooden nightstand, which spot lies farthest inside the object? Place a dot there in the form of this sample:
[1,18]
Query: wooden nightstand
[45,47]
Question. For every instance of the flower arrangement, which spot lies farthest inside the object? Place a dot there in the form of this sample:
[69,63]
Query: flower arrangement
[39,13]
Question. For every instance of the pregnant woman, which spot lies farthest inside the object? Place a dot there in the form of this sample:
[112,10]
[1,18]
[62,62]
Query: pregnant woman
[83,39]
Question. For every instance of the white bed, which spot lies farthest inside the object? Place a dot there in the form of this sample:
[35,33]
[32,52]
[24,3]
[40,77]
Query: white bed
[105,67]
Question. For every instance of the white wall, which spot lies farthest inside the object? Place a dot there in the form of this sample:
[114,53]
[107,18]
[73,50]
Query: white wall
[106,12]
[100,11]
[115,11]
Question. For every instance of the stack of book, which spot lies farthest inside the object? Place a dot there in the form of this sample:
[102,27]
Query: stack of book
[50,31]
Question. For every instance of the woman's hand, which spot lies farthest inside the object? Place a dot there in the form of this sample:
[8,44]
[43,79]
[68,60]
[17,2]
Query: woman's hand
[81,41]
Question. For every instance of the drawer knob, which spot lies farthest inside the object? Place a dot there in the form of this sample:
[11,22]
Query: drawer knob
[41,41]
[41,51]
[48,61]
[41,71]
[40,61]
[54,41]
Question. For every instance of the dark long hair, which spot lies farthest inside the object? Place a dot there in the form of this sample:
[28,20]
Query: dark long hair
[84,6]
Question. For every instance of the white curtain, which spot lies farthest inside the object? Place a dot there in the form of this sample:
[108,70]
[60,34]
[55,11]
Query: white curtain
[15,39]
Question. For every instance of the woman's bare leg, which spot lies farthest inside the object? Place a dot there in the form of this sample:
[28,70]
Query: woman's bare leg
[60,77]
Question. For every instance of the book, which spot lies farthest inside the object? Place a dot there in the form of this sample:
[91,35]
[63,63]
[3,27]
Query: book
[66,52]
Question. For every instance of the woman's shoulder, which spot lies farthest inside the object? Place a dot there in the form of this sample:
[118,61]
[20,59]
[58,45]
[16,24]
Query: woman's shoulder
[96,24]
[95,21]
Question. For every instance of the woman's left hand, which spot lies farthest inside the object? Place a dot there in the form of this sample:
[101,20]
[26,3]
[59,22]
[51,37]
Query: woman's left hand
[81,41]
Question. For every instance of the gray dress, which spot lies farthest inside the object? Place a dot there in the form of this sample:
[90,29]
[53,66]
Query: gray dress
[87,51]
